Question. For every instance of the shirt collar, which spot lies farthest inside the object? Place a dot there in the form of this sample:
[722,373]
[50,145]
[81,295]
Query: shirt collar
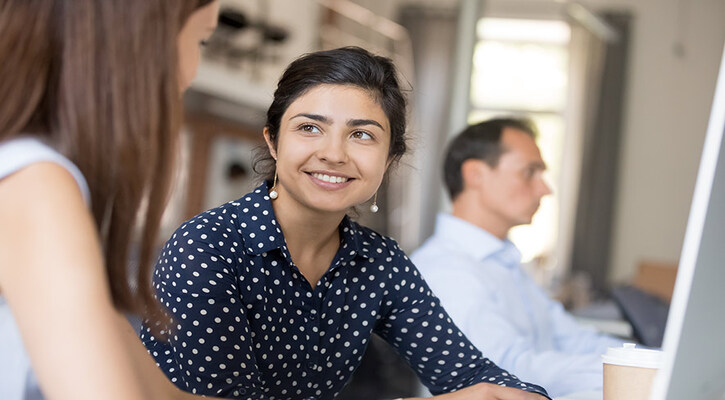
[259,228]
[350,240]
[259,224]
[475,241]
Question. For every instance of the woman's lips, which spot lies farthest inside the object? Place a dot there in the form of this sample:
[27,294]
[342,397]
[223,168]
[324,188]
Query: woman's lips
[329,181]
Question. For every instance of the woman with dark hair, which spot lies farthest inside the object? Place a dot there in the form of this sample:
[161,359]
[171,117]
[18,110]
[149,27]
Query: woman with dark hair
[91,106]
[275,295]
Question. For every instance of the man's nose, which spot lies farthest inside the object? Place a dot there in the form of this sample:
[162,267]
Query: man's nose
[545,188]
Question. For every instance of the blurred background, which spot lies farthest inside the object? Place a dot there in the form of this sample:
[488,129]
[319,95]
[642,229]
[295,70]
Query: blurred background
[620,90]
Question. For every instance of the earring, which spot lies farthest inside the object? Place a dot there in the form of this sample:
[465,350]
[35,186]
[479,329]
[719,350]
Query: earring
[374,207]
[273,193]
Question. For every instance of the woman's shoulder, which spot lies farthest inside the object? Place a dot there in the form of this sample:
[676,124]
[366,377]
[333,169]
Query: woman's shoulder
[217,221]
[24,151]
[235,219]
[371,241]
[40,189]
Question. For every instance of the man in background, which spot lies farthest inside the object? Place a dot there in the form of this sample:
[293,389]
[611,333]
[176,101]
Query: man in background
[494,175]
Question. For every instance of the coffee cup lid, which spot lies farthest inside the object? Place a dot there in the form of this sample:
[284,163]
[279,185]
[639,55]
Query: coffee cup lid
[630,356]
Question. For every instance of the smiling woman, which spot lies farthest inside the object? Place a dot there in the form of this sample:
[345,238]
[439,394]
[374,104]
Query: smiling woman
[276,297]
[332,150]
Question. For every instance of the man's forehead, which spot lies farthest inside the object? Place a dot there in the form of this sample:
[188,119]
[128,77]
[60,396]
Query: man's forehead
[513,136]
[517,144]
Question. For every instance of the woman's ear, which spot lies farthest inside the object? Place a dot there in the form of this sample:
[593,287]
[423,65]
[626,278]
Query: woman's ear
[270,144]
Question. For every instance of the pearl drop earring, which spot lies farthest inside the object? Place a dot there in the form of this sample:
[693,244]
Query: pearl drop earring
[273,193]
[374,207]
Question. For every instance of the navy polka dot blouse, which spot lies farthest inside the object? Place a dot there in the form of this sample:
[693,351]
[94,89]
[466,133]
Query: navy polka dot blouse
[248,325]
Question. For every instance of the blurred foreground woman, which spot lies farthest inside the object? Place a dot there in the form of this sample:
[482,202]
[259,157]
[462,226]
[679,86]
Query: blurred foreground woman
[90,110]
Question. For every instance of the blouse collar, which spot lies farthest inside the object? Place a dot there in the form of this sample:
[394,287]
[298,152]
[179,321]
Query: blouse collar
[261,232]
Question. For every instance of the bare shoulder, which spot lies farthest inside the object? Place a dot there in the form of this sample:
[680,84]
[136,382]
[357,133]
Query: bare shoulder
[41,183]
[41,196]
[42,210]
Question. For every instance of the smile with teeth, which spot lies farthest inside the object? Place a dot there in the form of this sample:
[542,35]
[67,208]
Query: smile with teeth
[328,178]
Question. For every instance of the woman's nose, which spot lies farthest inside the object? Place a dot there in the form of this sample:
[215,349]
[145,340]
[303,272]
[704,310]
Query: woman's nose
[333,150]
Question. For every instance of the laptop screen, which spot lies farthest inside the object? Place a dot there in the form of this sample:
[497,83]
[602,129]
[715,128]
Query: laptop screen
[694,341]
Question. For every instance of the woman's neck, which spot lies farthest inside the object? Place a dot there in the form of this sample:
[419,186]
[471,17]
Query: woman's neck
[312,236]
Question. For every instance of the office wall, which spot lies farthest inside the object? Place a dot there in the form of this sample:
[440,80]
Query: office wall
[675,53]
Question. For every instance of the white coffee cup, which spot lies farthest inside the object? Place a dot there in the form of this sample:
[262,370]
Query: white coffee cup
[629,371]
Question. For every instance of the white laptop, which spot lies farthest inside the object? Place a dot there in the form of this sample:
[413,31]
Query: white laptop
[694,342]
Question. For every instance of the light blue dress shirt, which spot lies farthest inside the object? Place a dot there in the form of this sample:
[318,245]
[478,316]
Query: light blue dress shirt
[481,284]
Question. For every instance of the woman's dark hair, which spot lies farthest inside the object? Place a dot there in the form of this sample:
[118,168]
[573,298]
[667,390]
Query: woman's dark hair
[481,141]
[99,80]
[344,66]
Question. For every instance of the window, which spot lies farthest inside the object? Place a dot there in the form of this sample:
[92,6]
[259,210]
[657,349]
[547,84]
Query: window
[520,67]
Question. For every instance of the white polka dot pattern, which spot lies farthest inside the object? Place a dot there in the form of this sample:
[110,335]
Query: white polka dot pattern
[247,325]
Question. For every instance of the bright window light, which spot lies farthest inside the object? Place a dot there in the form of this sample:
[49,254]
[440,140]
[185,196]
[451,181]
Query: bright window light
[521,67]
[524,30]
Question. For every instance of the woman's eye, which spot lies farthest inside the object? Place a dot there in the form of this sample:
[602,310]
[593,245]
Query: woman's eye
[309,128]
[361,135]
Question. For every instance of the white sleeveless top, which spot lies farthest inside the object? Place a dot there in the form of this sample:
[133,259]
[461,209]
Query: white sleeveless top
[17,381]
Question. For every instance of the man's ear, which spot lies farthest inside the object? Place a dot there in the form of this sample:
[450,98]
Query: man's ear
[473,173]
[270,145]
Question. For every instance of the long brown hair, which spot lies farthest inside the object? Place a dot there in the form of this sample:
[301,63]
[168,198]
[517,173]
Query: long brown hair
[99,80]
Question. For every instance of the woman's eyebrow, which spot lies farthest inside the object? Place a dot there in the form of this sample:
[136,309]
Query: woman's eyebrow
[316,117]
[351,122]
[361,122]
